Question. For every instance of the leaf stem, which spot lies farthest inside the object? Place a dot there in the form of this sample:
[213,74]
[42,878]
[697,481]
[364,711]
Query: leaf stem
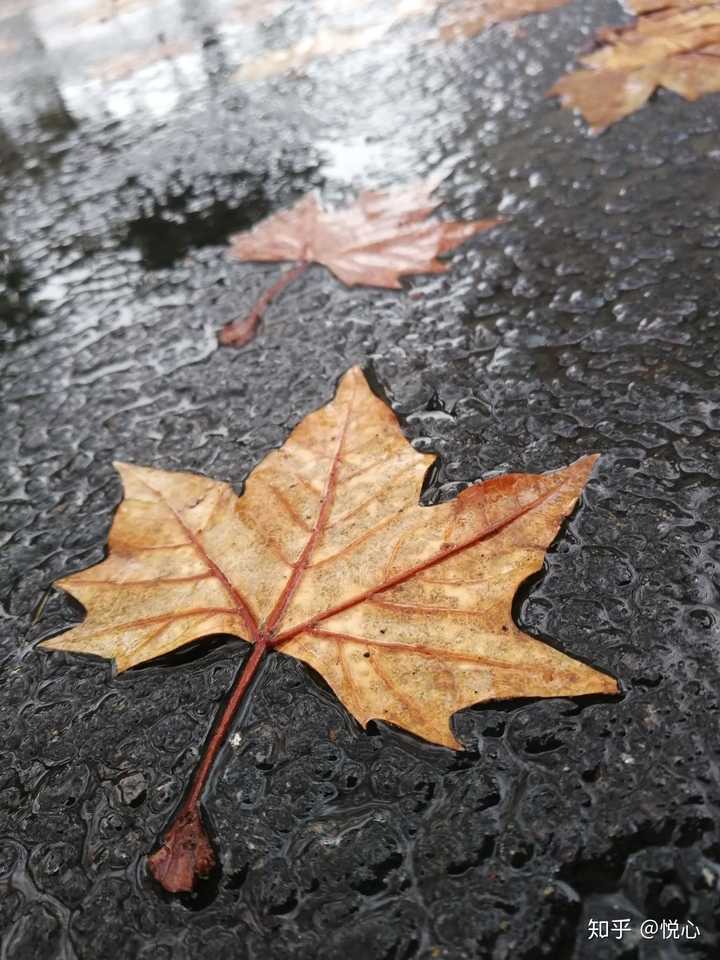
[239,332]
[186,852]
[242,682]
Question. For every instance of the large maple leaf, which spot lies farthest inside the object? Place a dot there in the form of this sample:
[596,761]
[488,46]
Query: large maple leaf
[405,610]
[674,44]
[383,236]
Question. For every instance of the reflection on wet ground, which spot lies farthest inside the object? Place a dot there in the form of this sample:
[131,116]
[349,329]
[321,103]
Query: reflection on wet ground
[65,63]
[83,59]
[110,72]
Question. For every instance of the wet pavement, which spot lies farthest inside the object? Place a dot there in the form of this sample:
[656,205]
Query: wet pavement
[135,137]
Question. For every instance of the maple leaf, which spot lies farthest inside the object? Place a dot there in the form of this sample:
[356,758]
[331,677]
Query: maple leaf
[383,236]
[337,39]
[325,43]
[457,20]
[471,17]
[405,610]
[675,45]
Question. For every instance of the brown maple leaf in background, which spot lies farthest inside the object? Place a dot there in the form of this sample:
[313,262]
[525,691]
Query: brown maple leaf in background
[126,64]
[383,236]
[327,42]
[675,45]
[471,17]
[328,556]
[457,19]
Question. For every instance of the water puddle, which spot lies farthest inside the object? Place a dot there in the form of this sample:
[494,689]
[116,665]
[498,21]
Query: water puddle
[171,230]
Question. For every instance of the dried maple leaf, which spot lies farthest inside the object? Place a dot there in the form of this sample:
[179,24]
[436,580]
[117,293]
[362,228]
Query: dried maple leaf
[675,45]
[457,20]
[471,17]
[383,236]
[335,40]
[405,610]
[327,42]
[654,6]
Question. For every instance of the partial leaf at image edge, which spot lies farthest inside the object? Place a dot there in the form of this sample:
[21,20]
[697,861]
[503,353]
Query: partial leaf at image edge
[675,45]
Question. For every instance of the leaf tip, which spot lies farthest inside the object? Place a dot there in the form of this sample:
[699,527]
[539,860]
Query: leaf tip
[582,680]
[584,466]
[48,644]
[353,376]
[121,664]
[607,684]
[441,736]
[575,474]
[122,468]
[452,742]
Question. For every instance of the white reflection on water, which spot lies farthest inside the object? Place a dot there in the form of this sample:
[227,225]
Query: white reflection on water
[101,59]
[112,59]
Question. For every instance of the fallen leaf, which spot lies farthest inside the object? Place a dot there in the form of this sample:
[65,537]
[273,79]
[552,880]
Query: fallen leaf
[676,47]
[405,610]
[325,43]
[458,20]
[469,18]
[383,236]
[334,40]
[653,6]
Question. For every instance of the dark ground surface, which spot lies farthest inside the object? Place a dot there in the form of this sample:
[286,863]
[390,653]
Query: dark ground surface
[591,322]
